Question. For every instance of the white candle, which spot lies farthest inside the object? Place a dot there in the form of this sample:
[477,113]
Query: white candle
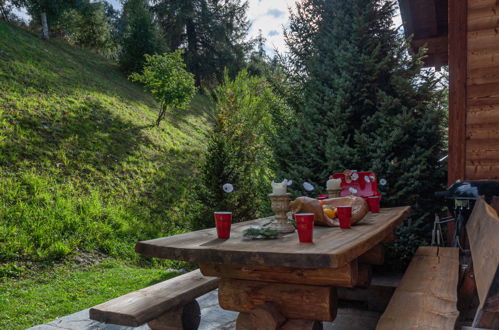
[333,184]
[279,188]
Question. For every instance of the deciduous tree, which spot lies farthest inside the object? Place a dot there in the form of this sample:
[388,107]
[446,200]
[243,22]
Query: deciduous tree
[165,77]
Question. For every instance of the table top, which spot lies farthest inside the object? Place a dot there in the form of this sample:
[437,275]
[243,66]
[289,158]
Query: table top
[333,247]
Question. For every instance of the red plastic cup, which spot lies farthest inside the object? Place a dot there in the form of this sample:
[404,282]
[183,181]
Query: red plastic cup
[373,202]
[305,227]
[345,216]
[223,220]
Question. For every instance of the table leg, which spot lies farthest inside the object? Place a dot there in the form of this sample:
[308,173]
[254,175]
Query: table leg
[245,321]
[293,301]
[263,317]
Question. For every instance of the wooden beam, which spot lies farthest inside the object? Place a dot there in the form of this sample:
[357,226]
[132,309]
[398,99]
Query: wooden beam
[244,296]
[365,275]
[483,230]
[344,276]
[375,256]
[435,45]
[457,89]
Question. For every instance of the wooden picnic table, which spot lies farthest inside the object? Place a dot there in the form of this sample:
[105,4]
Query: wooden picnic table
[299,279]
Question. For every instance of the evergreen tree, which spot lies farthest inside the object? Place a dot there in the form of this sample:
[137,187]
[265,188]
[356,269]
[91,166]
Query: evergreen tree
[239,149]
[88,26]
[362,102]
[45,12]
[140,35]
[213,33]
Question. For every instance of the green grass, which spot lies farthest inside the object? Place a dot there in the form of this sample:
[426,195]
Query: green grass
[26,303]
[84,172]
[82,168]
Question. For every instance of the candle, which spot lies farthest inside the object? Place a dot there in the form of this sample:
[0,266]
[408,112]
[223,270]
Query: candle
[279,188]
[333,184]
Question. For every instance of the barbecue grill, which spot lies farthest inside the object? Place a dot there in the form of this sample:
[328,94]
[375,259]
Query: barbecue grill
[460,199]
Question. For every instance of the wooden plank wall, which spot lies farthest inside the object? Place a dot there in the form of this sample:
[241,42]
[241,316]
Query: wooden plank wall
[482,97]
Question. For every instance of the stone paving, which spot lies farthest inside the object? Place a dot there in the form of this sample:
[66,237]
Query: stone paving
[213,317]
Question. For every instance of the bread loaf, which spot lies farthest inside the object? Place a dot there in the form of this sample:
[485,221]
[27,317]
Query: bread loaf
[358,204]
[312,205]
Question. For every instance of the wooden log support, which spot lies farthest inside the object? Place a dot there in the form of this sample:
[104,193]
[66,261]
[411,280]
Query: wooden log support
[391,237]
[345,276]
[266,317]
[182,317]
[457,89]
[375,256]
[302,325]
[294,301]
[365,275]
[244,322]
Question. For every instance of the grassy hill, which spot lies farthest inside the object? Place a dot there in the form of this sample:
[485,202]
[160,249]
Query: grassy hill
[82,168]
[83,175]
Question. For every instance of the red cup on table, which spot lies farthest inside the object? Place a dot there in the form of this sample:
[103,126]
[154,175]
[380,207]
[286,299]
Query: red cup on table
[223,220]
[373,202]
[305,227]
[344,216]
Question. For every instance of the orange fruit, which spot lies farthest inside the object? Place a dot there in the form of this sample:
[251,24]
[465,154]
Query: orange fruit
[330,213]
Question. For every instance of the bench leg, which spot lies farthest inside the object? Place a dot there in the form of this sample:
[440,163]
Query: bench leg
[185,317]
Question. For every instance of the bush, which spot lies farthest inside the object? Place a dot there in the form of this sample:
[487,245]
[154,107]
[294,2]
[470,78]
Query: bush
[240,150]
[168,81]
[140,35]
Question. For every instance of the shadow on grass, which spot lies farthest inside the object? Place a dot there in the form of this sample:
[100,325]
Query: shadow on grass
[163,277]
[85,138]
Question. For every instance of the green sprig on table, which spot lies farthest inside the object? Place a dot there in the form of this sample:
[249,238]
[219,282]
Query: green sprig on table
[260,233]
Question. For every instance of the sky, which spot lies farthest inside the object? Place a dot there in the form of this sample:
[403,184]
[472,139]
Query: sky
[269,16]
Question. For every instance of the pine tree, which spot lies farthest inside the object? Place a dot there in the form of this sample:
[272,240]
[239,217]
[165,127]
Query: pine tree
[239,149]
[213,33]
[140,37]
[362,102]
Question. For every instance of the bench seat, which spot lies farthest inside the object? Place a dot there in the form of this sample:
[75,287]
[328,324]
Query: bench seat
[142,306]
[427,295]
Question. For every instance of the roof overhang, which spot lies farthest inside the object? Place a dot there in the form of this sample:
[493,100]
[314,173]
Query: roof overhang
[427,22]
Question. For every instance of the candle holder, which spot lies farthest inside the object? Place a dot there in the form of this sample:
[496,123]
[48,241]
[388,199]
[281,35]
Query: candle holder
[333,193]
[280,205]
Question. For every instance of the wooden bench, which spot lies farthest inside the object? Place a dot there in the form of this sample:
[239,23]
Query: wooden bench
[170,304]
[426,297]
[483,235]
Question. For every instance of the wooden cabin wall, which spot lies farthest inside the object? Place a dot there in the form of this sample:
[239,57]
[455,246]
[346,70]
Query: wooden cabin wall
[482,91]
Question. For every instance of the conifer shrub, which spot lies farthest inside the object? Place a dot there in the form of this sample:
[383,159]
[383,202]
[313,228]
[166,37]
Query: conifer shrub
[240,149]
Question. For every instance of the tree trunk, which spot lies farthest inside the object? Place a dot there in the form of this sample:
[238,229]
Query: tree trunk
[45,26]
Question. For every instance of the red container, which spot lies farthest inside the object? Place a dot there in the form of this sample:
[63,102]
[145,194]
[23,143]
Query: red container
[345,216]
[322,196]
[373,203]
[223,220]
[305,227]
